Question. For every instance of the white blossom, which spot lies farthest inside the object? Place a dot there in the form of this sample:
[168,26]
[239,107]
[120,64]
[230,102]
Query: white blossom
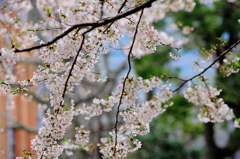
[8,57]
[212,109]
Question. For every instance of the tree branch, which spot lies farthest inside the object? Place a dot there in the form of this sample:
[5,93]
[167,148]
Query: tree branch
[220,56]
[92,24]
[125,79]
[75,60]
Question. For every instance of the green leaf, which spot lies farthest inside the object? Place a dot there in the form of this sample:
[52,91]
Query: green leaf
[15,91]
[65,140]
[48,10]
[80,147]
[237,64]
[2,82]
[66,107]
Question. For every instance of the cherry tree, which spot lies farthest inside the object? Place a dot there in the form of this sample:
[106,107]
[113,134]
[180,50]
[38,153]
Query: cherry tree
[84,30]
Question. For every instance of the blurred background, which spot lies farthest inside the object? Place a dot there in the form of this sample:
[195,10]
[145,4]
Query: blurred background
[177,133]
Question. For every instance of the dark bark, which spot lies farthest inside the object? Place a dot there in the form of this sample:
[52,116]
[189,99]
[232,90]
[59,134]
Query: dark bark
[149,95]
[213,151]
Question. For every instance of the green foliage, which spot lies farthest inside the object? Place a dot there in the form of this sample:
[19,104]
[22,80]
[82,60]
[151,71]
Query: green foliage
[49,12]
[65,139]
[230,88]
[234,139]
[180,114]
[2,82]
[221,19]
[17,20]
[153,64]
[18,90]
[66,107]
[164,149]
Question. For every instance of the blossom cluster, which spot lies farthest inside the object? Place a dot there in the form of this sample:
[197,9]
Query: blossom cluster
[82,136]
[231,66]
[110,149]
[136,117]
[150,38]
[8,57]
[129,96]
[55,123]
[212,109]
[69,146]
[174,56]
[5,85]
[73,56]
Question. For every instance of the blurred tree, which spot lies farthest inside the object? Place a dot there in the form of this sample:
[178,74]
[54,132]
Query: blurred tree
[221,21]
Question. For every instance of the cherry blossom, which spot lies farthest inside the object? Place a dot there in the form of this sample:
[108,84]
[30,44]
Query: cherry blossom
[81,33]
[212,109]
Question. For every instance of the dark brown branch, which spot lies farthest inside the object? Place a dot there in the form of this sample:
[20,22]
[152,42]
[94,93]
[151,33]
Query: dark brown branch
[75,60]
[220,56]
[92,24]
[123,4]
[71,69]
[125,79]
[170,77]
[102,4]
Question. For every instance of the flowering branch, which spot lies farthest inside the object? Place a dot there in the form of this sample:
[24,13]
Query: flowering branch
[125,79]
[75,60]
[119,10]
[199,74]
[69,60]
[92,24]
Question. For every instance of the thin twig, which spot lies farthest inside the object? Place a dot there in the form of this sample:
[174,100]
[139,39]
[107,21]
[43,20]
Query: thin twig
[174,77]
[117,48]
[119,10]
[101,130]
